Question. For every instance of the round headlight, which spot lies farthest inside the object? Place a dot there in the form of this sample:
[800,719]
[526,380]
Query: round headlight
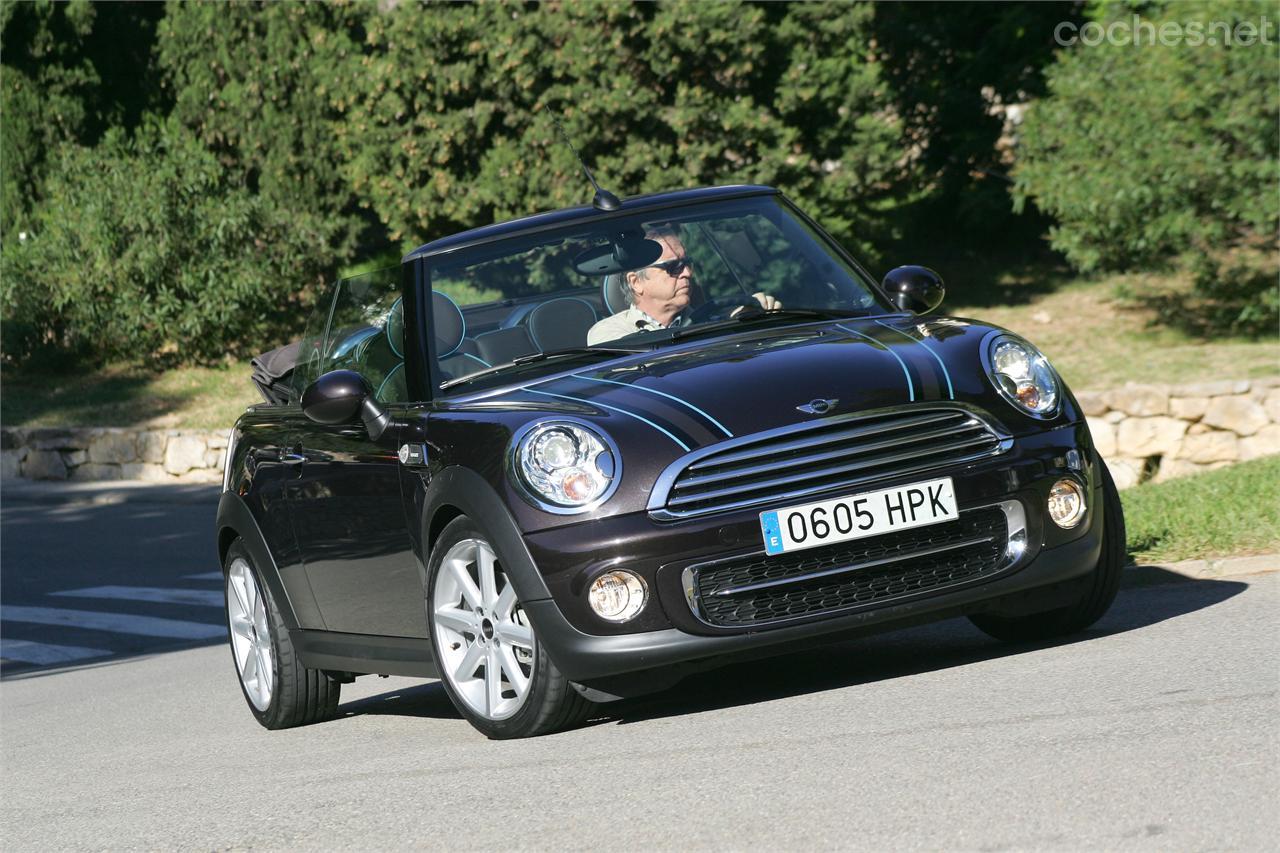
[565,466]
[1023,376]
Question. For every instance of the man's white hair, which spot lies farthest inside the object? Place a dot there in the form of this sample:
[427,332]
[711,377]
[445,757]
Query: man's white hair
[654,231]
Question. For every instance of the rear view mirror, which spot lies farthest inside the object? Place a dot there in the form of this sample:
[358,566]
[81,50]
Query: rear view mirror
[621,254]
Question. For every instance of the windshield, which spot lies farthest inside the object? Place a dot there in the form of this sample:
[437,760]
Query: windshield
[640,283]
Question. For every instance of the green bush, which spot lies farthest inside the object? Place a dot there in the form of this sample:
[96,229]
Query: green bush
[448,115]
[1145,152]
[145,248]
[70,71]
[248,80]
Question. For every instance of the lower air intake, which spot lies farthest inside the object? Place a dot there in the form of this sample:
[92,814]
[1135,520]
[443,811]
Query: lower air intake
[757,590]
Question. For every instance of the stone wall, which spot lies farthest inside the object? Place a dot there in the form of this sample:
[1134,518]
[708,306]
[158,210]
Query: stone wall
[1156,432]
[182,456]
[1144,432]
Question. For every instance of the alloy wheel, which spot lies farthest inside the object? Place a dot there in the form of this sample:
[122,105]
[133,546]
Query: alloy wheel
[484,640]
[250,634]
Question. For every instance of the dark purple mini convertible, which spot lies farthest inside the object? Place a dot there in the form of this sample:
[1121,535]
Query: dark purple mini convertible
[581,455]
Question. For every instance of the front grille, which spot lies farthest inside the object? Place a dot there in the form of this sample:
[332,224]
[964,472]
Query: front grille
[812,458]
[756,590]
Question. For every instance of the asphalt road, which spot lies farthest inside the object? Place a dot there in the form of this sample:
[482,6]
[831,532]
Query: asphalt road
[95,571]
[1157,729]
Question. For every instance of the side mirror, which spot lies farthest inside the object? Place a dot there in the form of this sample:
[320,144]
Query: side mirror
[915,289]
[336,397]
[339,396]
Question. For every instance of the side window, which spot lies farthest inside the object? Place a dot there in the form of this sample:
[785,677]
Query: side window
[307,367]
[365,333]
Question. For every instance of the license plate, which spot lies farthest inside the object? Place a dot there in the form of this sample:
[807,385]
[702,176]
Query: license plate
[858,516]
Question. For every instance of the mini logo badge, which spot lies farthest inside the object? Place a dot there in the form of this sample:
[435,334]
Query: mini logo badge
[404,454]
[817,407]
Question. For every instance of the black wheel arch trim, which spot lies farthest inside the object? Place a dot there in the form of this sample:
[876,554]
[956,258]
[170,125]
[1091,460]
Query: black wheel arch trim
[471,495]
[235,516]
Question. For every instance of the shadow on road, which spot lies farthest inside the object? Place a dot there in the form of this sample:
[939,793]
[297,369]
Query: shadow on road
[911,651]
[421,700]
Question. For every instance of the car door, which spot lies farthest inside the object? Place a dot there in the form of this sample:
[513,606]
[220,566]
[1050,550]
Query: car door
[346,505]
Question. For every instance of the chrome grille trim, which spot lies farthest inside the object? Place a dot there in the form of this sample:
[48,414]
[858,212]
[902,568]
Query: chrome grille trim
[843,435]
[741,466]
[799,461]
[826,472]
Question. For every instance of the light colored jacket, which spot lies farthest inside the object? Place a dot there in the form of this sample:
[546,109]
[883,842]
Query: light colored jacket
[624,323]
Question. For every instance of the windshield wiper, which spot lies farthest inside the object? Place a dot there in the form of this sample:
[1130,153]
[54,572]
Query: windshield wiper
[751,314]
[533,358]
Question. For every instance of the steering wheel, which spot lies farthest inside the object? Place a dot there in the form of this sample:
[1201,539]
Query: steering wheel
[720,308]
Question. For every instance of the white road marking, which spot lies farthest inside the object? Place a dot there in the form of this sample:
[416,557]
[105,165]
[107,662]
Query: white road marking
[144,626]
[162,595]
[205,576]
[29,652]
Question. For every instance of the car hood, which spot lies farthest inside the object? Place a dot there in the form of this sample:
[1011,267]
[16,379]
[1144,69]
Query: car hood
[707,391]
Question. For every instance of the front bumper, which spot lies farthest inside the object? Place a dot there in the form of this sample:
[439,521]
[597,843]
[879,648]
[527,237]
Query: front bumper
[1039,585]
[668,641]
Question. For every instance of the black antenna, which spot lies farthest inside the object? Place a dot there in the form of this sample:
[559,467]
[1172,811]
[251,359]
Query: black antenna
[603,199]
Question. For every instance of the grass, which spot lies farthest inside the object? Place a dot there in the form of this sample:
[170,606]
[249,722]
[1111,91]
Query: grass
[1094,337]
[1232,511]
[121,395]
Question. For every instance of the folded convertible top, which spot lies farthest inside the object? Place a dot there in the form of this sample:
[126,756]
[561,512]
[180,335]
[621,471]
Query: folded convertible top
[272,371]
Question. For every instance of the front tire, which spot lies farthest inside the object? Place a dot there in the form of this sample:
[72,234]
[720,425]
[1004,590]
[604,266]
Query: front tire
[491,663]
[1099,591]
[280,691]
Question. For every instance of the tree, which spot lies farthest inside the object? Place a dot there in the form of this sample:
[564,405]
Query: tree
[1145,152]
[70,71]
[448,116]
[249,81]
[145,248]
[951,69]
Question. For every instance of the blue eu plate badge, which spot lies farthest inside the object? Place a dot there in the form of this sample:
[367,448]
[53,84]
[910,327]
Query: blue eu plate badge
[772,533]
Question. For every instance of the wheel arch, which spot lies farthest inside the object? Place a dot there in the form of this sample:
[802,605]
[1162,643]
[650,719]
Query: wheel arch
[460,491]
[235,521]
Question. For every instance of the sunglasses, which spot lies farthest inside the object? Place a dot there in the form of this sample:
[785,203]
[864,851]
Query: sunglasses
[673,267]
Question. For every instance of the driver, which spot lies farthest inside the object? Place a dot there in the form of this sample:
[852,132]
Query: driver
[659,295]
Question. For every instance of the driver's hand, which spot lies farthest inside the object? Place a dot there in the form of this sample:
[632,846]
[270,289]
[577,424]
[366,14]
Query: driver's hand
[766,301]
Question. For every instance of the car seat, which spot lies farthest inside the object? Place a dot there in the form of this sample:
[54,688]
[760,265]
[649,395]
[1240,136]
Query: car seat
[613,293]
[560,323]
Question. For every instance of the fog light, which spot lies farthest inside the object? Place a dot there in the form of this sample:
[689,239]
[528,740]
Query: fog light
[1066,503]
[617,596]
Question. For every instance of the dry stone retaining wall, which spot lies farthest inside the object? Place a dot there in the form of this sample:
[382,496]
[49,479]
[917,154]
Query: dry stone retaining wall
[1157,432]
[1144,432]
[183,456]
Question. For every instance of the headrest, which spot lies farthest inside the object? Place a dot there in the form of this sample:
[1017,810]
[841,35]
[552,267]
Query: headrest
[561,323]
[613,290]
[448,323]
[394,328]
